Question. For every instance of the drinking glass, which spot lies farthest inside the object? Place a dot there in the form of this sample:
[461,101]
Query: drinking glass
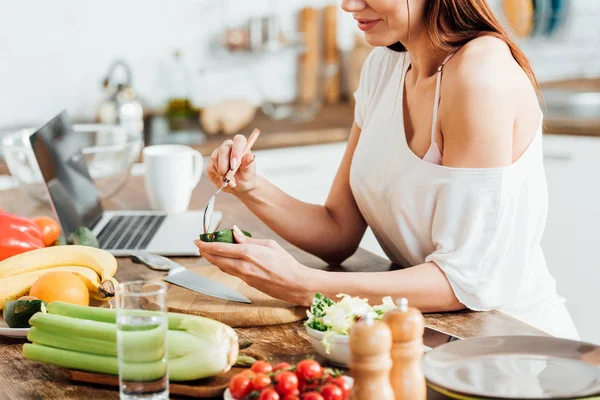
[142,340]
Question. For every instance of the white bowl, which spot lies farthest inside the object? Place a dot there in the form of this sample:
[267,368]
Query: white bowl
[339,347]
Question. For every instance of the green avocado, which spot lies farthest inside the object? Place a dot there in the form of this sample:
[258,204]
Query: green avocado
[18,312]
[222,236]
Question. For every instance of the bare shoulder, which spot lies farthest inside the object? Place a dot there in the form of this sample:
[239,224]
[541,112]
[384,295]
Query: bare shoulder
[485,62]
[483,89]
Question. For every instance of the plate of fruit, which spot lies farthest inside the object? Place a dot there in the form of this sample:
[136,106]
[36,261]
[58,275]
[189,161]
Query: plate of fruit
[306,380]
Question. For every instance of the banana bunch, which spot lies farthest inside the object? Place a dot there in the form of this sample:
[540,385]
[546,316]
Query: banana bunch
[94,266]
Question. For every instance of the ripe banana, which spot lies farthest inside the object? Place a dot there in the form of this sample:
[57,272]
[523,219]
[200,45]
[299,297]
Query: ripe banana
[13,287]
[99,260]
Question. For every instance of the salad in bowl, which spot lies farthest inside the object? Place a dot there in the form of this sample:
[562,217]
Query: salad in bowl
[329,323]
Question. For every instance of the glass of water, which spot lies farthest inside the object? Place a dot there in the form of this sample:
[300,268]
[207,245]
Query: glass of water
[142,340]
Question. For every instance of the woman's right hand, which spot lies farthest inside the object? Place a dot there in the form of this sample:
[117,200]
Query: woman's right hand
[228,156]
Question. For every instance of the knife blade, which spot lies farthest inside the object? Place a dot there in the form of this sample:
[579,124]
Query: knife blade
[201,284]
[180,276]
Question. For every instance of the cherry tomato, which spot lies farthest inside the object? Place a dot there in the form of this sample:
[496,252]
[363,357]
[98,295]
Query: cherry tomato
[344,385]
[240,386]
[312,396]
[49,228]
[248,372]
[262,367]
[286,382]
[308,370]
[332,392]
[283,366]
[307,386]
[260,381]
[291,397]
[268,394]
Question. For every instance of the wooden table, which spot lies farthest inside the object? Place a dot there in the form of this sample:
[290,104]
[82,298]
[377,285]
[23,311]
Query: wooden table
[22,379]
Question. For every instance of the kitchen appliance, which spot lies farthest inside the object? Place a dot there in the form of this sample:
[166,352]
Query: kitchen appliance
[179,275]
[210,205]
[76,201]
[109,151]
[121,105]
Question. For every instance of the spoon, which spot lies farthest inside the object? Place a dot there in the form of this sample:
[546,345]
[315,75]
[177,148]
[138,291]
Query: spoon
[210,206]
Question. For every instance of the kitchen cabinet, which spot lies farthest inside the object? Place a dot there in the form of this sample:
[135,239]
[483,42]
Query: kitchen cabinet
[307,174]
[572,164]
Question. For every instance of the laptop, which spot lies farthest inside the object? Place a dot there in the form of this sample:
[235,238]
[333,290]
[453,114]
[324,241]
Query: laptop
[76,201]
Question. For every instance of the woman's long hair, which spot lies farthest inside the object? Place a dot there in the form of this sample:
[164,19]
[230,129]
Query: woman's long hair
[451,24]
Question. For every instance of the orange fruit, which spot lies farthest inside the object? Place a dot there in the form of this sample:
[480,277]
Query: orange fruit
[61,286]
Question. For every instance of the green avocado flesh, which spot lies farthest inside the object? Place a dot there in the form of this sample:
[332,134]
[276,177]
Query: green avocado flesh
[222,236]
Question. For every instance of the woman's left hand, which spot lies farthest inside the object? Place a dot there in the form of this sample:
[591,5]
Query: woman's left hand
[262,264]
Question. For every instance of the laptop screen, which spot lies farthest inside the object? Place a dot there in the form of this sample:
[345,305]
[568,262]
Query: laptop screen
[72,192]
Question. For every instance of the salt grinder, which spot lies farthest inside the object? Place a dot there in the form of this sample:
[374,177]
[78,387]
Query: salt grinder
[407,327]
[370,361]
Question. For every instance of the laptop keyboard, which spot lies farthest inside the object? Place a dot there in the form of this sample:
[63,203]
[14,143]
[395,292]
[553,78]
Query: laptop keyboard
[131,232]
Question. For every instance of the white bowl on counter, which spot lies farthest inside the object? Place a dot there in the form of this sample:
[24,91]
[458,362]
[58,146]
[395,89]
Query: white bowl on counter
[339,347]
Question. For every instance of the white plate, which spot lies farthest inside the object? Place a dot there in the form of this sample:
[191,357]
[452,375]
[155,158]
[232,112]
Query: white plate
[227,395]
[12,332]
[515,367]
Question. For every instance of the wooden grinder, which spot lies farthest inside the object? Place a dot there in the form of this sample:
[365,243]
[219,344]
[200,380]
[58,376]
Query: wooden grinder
[370,361]
[407,327]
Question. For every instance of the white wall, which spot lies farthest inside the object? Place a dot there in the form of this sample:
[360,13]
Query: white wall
[54,54]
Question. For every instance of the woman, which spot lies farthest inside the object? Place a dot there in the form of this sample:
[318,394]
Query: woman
[448,173]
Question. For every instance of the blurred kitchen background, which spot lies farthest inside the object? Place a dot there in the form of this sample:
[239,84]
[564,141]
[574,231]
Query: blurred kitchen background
[196,71]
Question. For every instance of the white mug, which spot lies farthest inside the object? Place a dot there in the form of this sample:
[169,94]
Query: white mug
[172,172]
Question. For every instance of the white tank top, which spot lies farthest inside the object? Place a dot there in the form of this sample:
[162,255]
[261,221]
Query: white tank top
[481,226]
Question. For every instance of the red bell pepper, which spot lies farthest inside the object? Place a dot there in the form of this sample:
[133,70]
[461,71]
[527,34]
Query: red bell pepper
[17,235]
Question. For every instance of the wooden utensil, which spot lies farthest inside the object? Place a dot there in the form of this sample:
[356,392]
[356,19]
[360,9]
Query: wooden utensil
[331,55]
[308,85]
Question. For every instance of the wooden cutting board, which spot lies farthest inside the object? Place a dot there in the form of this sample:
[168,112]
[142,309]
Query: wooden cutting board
[201,388]
[264,310]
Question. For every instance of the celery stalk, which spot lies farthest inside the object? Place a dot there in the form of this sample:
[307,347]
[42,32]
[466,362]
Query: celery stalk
[82,312]
[43,337]
[74,326]
[139,352]
[179,344]
[143,346]
[198,347]
[93,362]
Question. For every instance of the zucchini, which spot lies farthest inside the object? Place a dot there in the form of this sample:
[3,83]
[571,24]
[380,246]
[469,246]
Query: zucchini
[18,312]
[84,237]
[222,236]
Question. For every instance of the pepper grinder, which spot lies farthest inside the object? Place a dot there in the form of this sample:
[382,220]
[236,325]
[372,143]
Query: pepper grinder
[370,361]
[407,327]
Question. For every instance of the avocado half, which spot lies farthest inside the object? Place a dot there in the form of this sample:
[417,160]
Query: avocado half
[222,236]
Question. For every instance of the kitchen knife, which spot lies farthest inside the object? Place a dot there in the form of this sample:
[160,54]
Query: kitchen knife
[180,276]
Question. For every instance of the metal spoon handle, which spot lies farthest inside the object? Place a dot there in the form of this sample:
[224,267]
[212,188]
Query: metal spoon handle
[251,140]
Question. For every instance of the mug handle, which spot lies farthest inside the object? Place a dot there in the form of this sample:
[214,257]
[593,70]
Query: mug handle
[198,168]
